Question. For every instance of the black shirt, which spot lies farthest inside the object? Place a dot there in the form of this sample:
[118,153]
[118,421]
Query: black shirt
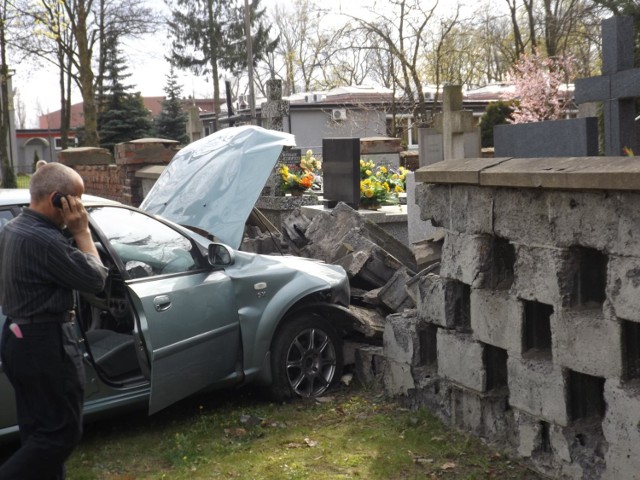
[39,268]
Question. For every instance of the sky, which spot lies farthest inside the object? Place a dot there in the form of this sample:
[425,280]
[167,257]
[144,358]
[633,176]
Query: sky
[38,85]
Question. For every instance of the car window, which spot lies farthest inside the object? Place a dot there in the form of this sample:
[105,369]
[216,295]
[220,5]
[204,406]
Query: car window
[5,216]
[146,246]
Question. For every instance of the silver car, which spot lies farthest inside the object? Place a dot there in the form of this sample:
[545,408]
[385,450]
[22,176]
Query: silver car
[181,313]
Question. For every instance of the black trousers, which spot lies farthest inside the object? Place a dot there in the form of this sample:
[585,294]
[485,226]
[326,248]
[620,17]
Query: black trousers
[46,371]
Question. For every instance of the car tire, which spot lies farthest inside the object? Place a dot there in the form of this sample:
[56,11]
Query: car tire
[306,358]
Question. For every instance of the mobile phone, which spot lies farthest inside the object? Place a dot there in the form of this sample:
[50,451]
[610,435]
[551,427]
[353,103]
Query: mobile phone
[57,200]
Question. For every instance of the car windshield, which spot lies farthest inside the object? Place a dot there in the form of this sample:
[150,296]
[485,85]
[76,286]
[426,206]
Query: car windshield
[146,246]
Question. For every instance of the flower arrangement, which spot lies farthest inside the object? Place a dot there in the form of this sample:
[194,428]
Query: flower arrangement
[380,185]
[628,152]
[295,179]
[299,178]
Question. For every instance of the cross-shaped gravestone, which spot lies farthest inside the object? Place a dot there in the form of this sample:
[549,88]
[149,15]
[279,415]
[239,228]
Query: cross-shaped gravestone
[274,109]
[617,87]
[453,123]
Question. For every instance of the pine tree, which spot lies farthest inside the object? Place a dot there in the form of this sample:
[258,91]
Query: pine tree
[172,121]
[122,115]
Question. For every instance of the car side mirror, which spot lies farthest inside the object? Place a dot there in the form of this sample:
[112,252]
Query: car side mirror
[220,255]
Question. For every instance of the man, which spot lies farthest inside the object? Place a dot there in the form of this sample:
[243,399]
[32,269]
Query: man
[39,269]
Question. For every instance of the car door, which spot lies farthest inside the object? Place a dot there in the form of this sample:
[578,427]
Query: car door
[187,318]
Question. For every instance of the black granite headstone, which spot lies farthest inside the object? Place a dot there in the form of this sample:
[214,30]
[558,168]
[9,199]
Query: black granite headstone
[341,171]
[576,137]
[617,87]
[290,157]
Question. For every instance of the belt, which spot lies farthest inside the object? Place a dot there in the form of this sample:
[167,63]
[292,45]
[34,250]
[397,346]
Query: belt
[60,317]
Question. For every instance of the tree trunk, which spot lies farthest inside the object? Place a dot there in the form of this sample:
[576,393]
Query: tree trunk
[86,78]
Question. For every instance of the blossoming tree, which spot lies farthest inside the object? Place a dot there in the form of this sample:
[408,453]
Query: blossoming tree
[537,87]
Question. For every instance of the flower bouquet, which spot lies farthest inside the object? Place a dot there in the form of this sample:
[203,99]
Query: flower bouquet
[295,179]
[380,185]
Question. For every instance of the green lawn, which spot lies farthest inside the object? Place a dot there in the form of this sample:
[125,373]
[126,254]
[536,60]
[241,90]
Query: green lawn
[354,433]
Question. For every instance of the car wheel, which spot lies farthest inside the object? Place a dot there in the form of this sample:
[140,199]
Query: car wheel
[306,358]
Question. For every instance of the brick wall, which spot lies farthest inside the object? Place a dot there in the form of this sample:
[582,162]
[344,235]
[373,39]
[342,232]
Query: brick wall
[529,336]
[115,178]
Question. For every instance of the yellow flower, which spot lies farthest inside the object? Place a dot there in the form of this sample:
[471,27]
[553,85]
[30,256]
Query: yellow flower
[383,169]
[368,173]
[369,192]
[399,189]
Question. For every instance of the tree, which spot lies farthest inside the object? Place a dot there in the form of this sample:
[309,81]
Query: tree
[208,35]
[8,175]
[497,113]
[123,116]
[538,81]
[403,31]
[172,121]
[70,34]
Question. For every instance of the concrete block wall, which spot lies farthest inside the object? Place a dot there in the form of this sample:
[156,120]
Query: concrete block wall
[531,330]
[114,177]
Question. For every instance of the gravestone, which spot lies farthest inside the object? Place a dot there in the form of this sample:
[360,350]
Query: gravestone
[453,123]
[617,87]
[430,146]
[275,108]
[576,137]
[273,112]
[341,171]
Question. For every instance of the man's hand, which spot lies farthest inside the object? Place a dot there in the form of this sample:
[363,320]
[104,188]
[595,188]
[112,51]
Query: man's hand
[77,221]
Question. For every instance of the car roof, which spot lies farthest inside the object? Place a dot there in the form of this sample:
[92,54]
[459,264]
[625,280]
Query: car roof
[20,196]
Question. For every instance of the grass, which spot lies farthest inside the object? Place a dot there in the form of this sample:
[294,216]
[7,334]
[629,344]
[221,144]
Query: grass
[23,180]
[240,435]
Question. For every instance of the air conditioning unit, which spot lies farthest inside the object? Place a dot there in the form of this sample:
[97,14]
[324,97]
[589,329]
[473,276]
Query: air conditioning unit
[339,114]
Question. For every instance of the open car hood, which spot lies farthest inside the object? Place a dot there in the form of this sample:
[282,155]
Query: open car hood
[213,183]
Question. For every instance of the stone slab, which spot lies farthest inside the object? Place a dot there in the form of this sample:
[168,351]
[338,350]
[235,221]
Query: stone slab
[463,170]
[401,342]
[585,173]
[599,173]
[623,286]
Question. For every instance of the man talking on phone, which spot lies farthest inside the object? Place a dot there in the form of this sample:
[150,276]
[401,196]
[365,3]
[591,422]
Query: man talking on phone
[39,270]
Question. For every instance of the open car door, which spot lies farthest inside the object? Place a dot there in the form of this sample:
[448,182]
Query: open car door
[191,330]
[186,314]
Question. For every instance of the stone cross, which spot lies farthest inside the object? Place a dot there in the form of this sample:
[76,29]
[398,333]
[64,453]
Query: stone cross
[453,123]
[617,87]
[274,109]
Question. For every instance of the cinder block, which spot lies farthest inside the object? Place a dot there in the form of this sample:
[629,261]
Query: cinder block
[369,365]
[529,434]
[538,388]
[627,215]
[623,286]
[522,216]
[434,203]
[467,258]
[460,360]
[588,219]
[397,378]
[401,342]
[496,319]
[621,423]
[574,335]
[480,414]
[471,209]
[544,274]
[436,300]
[622,462]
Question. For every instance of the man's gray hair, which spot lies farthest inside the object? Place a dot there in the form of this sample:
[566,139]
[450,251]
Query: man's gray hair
[52,177]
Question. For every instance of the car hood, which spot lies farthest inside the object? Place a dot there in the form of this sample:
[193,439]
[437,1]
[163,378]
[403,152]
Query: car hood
[213,183]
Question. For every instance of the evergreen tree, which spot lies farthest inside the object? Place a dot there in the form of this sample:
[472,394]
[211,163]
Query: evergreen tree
[209,34]
[122,115]
[172,121]
[497,113]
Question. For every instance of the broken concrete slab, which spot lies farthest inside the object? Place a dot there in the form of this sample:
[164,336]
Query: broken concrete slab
[394,293]
[327,231]
[370,321]
[367,265]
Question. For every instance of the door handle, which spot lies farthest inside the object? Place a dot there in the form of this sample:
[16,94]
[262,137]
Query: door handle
[162,303]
